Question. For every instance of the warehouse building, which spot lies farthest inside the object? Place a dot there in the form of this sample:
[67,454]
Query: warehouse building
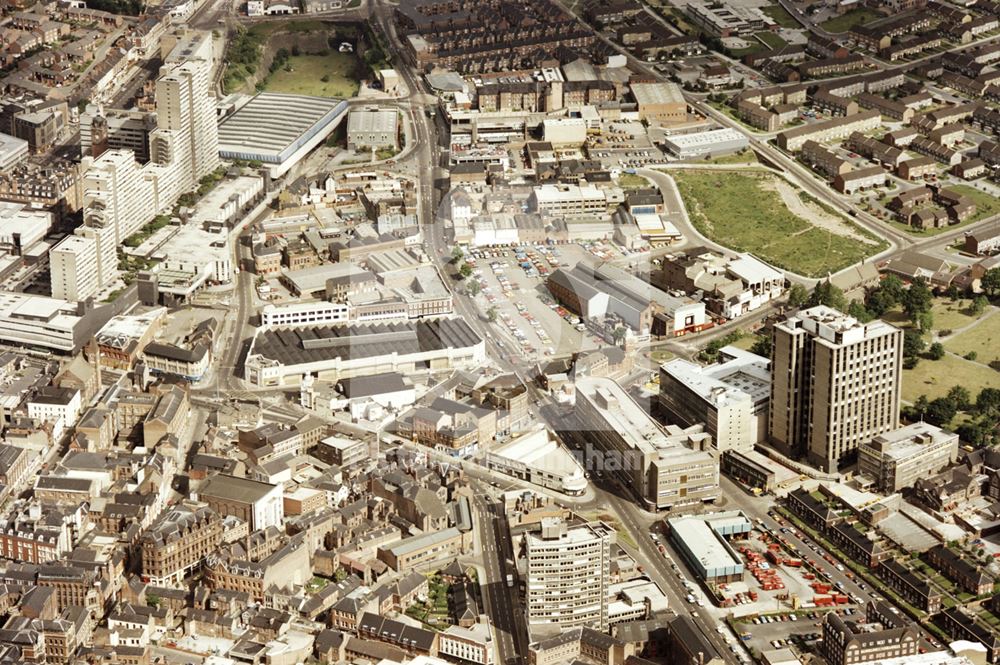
[704,144]
[660,102]
[701,540]
[278,129]
[372,129]
[283,356]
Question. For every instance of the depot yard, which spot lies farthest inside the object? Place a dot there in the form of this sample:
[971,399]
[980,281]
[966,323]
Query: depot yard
[741,210]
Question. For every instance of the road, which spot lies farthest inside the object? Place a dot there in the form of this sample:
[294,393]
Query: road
[502,606]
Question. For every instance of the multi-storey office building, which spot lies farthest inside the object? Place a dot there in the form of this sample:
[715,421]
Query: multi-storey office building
[568,573]
[835,385]
[665,467]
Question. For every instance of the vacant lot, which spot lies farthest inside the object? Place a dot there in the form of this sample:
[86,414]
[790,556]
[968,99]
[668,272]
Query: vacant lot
[983,339]
[848,20]
[328,75]
[745,211]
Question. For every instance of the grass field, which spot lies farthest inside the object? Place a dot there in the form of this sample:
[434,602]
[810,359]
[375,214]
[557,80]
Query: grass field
[743,157]
[307,73]
[848,20]
[950,315]
[934,378]
[780,16]
[771,39]
[632,181]
[984,339]
[735,209]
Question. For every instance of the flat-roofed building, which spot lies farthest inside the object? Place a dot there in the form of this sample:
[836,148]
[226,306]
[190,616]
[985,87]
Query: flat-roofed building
[822,406]
[701,540]
[427,549]
[568,573]
[73,268]
[13,151]
[701,144]
[665,467]
[539,459]
[569,200]
[258,504]
[49,323]
[730,397]
[372,129]
[896,459]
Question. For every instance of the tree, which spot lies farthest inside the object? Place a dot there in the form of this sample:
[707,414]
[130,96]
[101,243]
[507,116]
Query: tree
[762,346]
[925,321]
[798,295]
[940,411]
[917,299]
[879,301]
[457,254]
[920,406]
[618,334]
[859,312]
[152,600]
[913,343]
[979,305]
[936,351]
[961,397]
[472,288]
[827,294]
[988,401]
[491,314]
[465,271]
[991,282]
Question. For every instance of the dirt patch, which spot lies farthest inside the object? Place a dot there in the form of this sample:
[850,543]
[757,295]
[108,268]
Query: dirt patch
[811,211]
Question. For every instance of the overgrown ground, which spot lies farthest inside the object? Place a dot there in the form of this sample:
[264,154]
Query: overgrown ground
[739,209]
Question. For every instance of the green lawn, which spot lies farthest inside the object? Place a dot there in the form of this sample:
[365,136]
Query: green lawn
[661,356]
[934,378]
[848,20]
[632,181]
[742,157]
[986,204]
[780,16]
[307,72]
[983,338]
[771,39]
[735,209]
[950,315]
